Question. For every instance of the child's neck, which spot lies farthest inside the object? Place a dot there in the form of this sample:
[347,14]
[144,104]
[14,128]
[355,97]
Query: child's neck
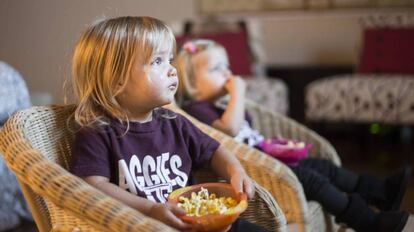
[140,117]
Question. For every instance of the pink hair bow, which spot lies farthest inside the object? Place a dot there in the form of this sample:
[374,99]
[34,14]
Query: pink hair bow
[190,47]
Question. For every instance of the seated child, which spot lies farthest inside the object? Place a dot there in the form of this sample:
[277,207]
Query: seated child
[203,70]
[127,145]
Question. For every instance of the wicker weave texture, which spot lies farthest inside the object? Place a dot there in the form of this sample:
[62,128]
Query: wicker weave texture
[36,146]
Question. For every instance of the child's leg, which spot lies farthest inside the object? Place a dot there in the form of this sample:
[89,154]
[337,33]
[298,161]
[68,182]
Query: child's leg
[359,216]
[241,225]
[342,178]
[318,188]
[386,195]
[351,210]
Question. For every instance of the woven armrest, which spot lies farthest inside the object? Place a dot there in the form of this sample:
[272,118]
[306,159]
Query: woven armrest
[272,175]
[36,144]
[66,191]
[272,124]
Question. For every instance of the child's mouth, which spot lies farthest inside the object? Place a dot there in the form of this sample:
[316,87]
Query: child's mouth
[172,86]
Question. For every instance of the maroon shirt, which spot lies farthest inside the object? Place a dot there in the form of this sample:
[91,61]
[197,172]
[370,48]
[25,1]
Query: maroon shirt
[151,160]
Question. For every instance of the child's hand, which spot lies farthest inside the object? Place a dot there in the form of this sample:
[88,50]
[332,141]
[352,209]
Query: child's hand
[241,182]
[235,83]
[167,214]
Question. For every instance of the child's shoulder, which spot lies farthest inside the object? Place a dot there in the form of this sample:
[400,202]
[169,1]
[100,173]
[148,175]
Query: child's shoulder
[198,103]
[93,129]
[199,107]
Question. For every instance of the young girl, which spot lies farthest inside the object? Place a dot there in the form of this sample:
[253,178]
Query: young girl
[205,78]
[127,145]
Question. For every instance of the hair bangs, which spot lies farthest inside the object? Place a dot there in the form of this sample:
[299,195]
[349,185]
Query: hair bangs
[159,39]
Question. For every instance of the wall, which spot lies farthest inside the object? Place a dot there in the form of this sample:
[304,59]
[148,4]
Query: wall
[37,37]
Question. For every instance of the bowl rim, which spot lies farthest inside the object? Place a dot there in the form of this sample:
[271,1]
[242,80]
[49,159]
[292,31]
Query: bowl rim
[241,206]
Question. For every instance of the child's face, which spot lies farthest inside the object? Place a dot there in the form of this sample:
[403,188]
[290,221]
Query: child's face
[150,85]
[211,70]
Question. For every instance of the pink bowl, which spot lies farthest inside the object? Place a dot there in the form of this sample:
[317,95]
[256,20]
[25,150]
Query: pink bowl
[279,149]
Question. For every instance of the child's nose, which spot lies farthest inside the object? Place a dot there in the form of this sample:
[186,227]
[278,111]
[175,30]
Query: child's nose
[172,72]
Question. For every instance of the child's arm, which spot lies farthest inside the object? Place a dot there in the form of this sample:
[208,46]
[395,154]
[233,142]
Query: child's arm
[227,166]
[233,117]
[162,212]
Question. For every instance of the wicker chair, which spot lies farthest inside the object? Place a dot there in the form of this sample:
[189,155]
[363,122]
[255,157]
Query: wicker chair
[273,175]
[36,145]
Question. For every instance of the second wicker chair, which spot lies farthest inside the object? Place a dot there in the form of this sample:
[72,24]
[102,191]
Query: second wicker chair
[273,175]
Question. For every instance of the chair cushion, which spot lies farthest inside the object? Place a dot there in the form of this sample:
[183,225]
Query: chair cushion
[272,93]
[388,50]
[13,96]
[362,98]
[13,92]
[13,206]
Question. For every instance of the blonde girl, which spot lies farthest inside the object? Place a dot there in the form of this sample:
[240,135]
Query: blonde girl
[205,75]
[127,145]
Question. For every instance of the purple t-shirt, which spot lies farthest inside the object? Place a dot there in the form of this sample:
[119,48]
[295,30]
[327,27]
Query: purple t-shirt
[151,160]
[207,112]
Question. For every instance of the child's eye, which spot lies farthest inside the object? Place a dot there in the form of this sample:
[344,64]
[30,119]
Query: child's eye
[171,60]
[215,68]
[157,61]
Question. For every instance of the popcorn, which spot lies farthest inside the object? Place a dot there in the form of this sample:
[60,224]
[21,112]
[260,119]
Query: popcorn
[203,203]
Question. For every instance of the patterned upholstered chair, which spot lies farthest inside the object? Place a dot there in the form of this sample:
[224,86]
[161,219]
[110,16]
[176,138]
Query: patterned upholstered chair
[36,145]
[276,177]
[13,96]
[269,92]
[379,91]
[362,98]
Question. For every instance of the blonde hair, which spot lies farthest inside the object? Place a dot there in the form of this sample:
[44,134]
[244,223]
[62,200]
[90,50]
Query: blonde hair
[103,59]
[185,67]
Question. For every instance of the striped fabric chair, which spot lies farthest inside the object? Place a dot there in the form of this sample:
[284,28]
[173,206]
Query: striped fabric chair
[36,145]
[273,175]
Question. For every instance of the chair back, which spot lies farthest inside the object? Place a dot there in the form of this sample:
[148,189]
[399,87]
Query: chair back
[45,128]
[36,145]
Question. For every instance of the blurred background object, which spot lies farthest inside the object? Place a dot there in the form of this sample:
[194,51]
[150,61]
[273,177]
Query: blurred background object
[13,97]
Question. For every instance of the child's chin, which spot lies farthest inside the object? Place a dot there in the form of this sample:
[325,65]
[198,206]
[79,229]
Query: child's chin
[167,101]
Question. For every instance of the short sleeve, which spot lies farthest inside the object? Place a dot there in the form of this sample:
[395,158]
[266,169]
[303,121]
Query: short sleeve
[201,146]
[90,154]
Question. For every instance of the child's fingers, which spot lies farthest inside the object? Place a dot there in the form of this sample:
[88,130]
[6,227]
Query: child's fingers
[248,188]
[237,185]
[175,222]
[177,210]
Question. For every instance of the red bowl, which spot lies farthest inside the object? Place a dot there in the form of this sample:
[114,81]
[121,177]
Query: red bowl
[212,222]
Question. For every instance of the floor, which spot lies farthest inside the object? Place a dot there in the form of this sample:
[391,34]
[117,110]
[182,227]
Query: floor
[374,149]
